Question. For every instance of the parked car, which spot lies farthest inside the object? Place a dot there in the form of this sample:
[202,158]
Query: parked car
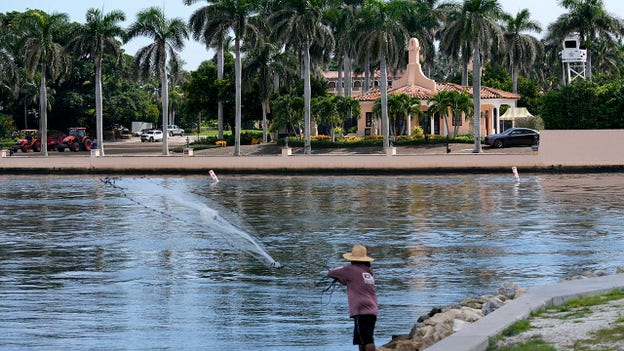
[175,130]
[152,135]
[513,137]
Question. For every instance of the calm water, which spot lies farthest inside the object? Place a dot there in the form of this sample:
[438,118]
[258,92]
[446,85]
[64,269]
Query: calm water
[153,263]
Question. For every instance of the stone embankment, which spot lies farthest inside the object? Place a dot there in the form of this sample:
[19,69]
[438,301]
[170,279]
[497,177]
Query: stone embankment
[441,322]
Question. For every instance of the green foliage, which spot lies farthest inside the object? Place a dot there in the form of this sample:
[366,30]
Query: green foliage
[535,122]
[377,141]
[246,139]
[7,126]
[496,77]
[418,132]
[530,95]
[517,328]
[400,106]
[287,112]
[584,105]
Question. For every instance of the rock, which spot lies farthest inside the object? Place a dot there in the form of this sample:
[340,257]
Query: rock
[491,305]
[458,324]
[392,345]
[473,302]
[619,270]
[440,331]
[431,313]
[509,290]
[442,318]
[469,314]
[409,345]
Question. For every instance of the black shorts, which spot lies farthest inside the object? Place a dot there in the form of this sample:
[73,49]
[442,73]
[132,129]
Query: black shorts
[364,329]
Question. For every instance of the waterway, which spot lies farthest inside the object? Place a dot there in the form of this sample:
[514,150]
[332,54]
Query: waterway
[183,263]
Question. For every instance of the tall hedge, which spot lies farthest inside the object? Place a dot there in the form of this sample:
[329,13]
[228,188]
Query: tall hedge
[585,105]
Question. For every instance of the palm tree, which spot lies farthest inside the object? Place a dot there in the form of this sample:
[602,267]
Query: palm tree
[453,43]
[441,104]
[478,26]
[461,103]
[324,110]
[591,20]
[348,108]
[342,19]
[400,108]
[211,22]
[522,49]
[9,78]
[427,24]
[287,113]
[299,23]
[383,34]
[168,36]
[41,49]
[262,64]
[96,37]
[215,35]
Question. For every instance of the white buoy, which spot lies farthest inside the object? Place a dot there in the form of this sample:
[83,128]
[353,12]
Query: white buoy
[514,170]
[213,175]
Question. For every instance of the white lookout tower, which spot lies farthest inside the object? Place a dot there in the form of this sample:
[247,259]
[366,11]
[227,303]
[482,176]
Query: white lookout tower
[573,58]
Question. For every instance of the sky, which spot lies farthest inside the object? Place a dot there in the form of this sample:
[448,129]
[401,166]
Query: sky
[194,53]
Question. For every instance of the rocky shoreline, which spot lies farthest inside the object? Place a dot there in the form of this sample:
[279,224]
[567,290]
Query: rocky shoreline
[441,322]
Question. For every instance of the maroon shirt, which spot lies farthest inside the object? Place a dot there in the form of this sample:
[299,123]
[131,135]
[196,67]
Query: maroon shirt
[360,288]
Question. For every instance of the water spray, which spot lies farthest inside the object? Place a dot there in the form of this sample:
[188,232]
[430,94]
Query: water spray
[234,235]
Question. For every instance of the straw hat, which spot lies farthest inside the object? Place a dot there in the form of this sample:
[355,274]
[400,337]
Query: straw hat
[358,254]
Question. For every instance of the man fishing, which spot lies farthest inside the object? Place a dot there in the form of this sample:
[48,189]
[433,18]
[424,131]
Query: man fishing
[358,277]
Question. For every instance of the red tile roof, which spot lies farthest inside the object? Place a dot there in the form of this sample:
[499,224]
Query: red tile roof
[426,94]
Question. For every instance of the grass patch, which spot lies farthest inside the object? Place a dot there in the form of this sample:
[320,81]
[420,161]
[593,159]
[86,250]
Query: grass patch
[580,307]
[531,345]
[518,327]
[604,336]
[594,300]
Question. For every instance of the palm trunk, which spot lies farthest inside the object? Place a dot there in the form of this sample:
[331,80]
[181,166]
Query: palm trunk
[514,78]
[384,100]
[366,85]
[476,95]
[238,119]
[347,75]
[464,77]
[99,130]
[265,103]
[339,81]
[307,96]
[588,68]
[43,111]
[220,103]
[164,92]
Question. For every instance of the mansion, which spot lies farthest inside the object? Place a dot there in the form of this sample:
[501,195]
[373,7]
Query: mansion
[412,82]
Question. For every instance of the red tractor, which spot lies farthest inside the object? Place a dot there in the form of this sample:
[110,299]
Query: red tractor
[31,140]
[27,140]
[76,140]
